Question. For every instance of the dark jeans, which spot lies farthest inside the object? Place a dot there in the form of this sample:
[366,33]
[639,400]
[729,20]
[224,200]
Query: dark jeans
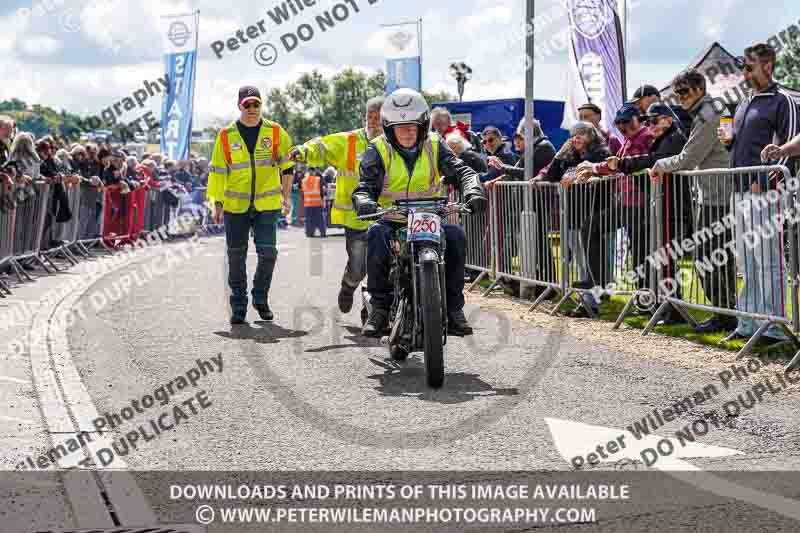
[380,286]
[314,220]
[237,236]
[356,245]
[636,222]
[719,284]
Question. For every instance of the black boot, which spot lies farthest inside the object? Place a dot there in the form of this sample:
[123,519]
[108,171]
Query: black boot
[264,311]
[457,323]
[377,323]
[238,318]
[346,298]
[716,323]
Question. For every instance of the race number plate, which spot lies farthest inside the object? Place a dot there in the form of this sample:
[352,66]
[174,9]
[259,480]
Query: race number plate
[424,227]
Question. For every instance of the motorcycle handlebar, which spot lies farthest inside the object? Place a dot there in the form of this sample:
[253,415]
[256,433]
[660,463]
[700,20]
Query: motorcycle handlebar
[449,209]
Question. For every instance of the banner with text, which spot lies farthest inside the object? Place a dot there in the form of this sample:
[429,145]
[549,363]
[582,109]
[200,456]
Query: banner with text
[403,57]
[596,71]
[179,35]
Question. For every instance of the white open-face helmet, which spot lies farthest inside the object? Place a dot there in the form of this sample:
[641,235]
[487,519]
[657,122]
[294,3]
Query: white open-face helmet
[405,106]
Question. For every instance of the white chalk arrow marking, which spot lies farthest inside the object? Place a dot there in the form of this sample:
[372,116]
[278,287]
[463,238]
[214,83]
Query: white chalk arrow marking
[578,439]
[575,438]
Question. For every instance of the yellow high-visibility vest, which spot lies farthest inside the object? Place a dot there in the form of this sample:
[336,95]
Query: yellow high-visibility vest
[238,178]
[424,182]
[342,151]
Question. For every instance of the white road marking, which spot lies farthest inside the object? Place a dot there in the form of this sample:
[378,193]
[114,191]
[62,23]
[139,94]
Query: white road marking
[575,438]
[62,394]
[13,380]
[15,419]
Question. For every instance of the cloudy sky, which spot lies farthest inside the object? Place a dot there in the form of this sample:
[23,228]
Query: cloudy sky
[85,55]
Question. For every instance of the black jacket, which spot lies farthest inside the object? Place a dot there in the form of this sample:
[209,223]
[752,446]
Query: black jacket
[452,169]
[684,117]
[558,167]
[761,119]
[668,145]
[506,156]
[581,201]
[474,161]
[543,154]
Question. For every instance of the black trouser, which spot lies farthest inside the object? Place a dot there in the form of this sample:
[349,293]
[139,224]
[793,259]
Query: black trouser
[635,221]
[237,236]
[719,283]
[379,284]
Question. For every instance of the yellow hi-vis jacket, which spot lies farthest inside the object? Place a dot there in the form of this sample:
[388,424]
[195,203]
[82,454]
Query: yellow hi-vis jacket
[425,182]
[238,178]
[343,152]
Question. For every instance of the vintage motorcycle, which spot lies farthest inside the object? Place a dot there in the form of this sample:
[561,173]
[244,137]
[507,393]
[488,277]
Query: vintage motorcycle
[418,315]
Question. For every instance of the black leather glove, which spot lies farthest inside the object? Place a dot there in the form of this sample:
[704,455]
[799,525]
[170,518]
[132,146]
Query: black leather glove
[367,207]
[476,203]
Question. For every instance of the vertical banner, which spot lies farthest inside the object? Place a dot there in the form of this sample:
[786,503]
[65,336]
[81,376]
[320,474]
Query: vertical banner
[179,35]
[403,56]
[596,71]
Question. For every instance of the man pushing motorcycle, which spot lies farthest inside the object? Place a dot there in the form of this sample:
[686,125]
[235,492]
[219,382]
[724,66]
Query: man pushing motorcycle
[405,163]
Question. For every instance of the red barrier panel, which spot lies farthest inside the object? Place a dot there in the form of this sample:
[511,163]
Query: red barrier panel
[118,218]
[139,197]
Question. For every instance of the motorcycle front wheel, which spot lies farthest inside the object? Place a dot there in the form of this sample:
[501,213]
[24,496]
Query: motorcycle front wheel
[431,303]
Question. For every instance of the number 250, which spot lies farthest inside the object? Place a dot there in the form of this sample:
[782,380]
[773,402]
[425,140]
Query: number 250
[427,226]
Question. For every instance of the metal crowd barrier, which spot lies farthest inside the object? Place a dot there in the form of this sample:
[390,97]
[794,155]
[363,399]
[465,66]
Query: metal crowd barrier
[477,227]
[8,214]
[607,235]
[156,210]
[729,250]
[90,217]
[698,241]
[31,214]
[525,232]
[208,226]
[67,232]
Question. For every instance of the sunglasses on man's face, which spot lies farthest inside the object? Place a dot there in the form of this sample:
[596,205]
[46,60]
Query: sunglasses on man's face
[683,91]
[252,105]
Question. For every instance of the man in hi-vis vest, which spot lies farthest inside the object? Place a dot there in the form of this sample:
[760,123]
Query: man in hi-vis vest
[250,182]
[313,203]
[343,151]
[408,162]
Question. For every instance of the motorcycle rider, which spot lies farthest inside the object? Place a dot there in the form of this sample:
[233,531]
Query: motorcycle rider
[407,162]
[344,151]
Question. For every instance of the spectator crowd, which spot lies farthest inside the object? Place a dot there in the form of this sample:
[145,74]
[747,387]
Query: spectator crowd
[652,140]
[25,160]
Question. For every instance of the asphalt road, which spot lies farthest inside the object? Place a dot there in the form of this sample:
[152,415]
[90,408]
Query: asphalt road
[307,393]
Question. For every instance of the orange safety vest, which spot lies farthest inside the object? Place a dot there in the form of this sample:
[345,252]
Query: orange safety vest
[312,192]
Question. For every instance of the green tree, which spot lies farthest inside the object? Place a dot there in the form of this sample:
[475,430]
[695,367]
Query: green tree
[314,105]
[787,71]
[441,96]
[376,84]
